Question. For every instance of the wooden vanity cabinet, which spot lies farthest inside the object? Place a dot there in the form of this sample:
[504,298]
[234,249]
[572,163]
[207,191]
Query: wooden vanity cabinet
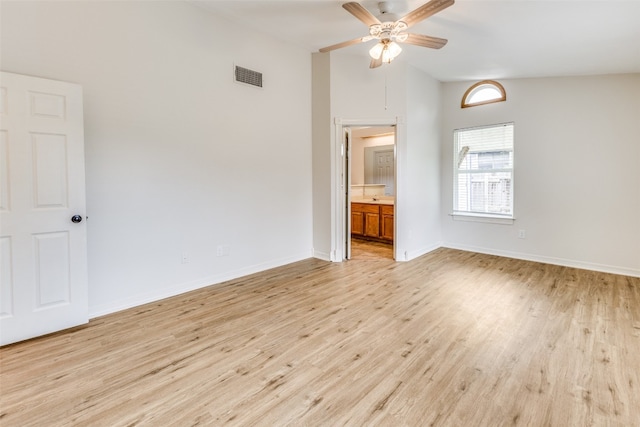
[357,223]
[371,224]
[365,220]
[386,222]
[372,221]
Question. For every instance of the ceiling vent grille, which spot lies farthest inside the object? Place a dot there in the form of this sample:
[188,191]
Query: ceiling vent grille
[250,77]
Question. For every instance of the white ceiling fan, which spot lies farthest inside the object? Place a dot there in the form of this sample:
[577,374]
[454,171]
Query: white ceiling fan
[392,31]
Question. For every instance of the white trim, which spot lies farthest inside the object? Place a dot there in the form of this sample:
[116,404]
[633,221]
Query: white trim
[482,217]
[548,260]
[338,208]
[423,251]
[171,291]
[322,255]
[477,171]
[147,298]
[457,172]
[369,122]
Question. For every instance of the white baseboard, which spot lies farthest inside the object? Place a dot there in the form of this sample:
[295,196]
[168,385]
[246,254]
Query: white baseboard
[322,255]
[409,255]
[140,299]
[548,260]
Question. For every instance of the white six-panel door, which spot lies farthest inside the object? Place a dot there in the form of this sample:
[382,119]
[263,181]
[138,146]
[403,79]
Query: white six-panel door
[43,261]
[384,171]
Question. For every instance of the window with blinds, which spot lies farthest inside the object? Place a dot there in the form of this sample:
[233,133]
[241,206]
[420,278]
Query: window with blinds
[483,171]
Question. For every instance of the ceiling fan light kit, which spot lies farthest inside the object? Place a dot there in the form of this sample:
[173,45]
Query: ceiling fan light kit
[391,32]
[385,50]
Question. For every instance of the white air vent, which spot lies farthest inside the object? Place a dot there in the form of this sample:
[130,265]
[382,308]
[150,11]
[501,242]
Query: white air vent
[250,77]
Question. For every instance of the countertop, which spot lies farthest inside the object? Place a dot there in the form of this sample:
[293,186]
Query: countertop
[374,201]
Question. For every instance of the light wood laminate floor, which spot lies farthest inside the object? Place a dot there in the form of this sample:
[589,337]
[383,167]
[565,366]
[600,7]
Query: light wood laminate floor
[369,250]
[450,339]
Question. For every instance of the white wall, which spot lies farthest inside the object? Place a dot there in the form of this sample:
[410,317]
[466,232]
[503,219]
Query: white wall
[381,96]
[179,158]
[577,180]
[349,91]
[420,190]
[358,92]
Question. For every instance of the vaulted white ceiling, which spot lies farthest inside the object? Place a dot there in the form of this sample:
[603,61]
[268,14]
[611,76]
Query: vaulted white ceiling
[487,38]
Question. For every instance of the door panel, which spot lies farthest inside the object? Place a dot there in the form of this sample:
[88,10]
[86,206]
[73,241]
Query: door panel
[51,264]
[43,254]
[384,172]
[50,178]
[4,172]
[6,278]
[47,105]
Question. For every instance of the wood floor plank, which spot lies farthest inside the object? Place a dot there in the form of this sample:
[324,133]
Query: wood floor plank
[450,339]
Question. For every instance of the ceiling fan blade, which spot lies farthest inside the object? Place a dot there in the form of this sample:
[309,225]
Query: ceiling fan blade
[375,63]
[425,11]
[425,41]
[357,10]
[343,44]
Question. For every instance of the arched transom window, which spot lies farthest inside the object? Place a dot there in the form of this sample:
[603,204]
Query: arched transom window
[484,92]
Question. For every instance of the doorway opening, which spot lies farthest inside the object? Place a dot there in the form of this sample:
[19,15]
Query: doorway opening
[370,172]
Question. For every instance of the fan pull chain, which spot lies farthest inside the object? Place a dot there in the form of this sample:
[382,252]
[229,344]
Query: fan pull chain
[385,90]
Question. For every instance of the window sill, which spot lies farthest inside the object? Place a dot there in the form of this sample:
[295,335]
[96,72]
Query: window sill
[487,218]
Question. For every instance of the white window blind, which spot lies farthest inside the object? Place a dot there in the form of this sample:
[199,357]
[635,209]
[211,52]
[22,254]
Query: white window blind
[483,170]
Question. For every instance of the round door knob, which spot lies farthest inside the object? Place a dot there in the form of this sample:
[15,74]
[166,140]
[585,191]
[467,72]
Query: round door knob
[76,219]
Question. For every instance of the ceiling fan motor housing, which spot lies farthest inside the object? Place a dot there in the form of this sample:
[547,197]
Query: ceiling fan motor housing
[389,10]
[387,30]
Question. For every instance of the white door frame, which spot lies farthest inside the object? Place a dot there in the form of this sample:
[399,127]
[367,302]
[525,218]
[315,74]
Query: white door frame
[340,183]
[346,194]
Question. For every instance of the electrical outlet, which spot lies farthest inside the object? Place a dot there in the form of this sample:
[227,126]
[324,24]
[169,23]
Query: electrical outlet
[522,234]
[185,258]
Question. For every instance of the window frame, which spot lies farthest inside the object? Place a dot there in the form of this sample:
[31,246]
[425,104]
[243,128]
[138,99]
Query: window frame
[477,86]
[479,216]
